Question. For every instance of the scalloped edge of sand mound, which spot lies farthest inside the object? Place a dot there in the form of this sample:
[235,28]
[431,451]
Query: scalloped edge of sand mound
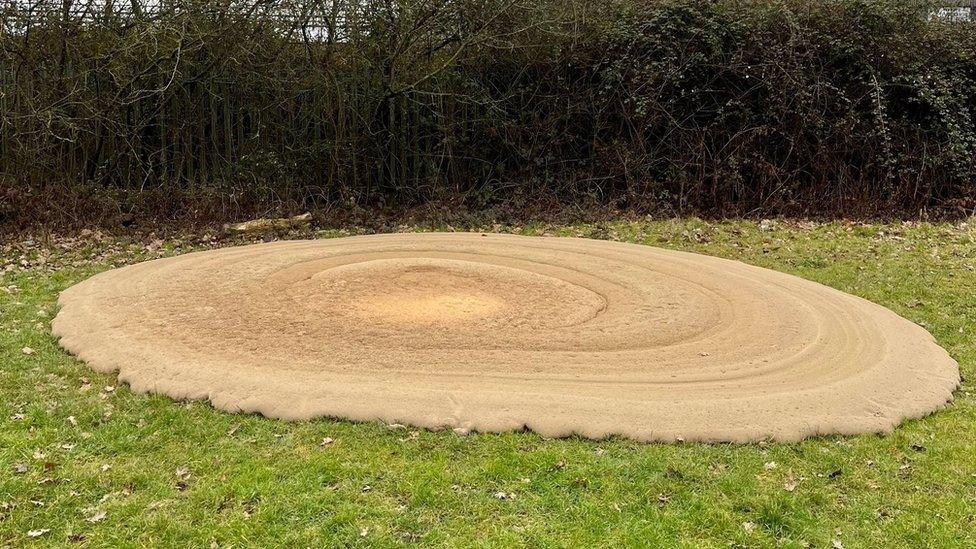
[492,333]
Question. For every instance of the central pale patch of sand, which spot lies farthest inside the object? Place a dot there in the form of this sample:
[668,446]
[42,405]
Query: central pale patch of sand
[417,292]
[429,309]
[501,332]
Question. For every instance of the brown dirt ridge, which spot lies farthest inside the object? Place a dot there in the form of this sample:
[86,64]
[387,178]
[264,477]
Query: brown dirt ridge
[494,332]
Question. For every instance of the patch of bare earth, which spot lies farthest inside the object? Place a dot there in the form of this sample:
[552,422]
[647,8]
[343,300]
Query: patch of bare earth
[499,332]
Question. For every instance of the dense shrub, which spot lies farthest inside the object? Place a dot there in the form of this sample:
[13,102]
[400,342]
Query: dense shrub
[730,106]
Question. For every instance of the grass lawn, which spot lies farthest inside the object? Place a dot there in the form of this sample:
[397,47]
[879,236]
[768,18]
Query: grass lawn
[85,461]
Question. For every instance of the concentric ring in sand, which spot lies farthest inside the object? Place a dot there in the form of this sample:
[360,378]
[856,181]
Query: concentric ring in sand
[500,332]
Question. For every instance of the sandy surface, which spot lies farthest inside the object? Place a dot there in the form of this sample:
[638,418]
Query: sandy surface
[500,332]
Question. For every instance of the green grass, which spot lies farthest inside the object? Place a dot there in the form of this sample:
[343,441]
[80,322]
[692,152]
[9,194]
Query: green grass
[183,474]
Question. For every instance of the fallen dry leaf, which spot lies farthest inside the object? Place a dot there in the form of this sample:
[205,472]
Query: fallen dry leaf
[413,435]
[97,517]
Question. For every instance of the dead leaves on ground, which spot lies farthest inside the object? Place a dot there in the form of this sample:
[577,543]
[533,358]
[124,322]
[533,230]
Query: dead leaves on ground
[183,477]
[97,517]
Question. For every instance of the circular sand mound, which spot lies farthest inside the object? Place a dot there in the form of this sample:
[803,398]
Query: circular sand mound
[496,332]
